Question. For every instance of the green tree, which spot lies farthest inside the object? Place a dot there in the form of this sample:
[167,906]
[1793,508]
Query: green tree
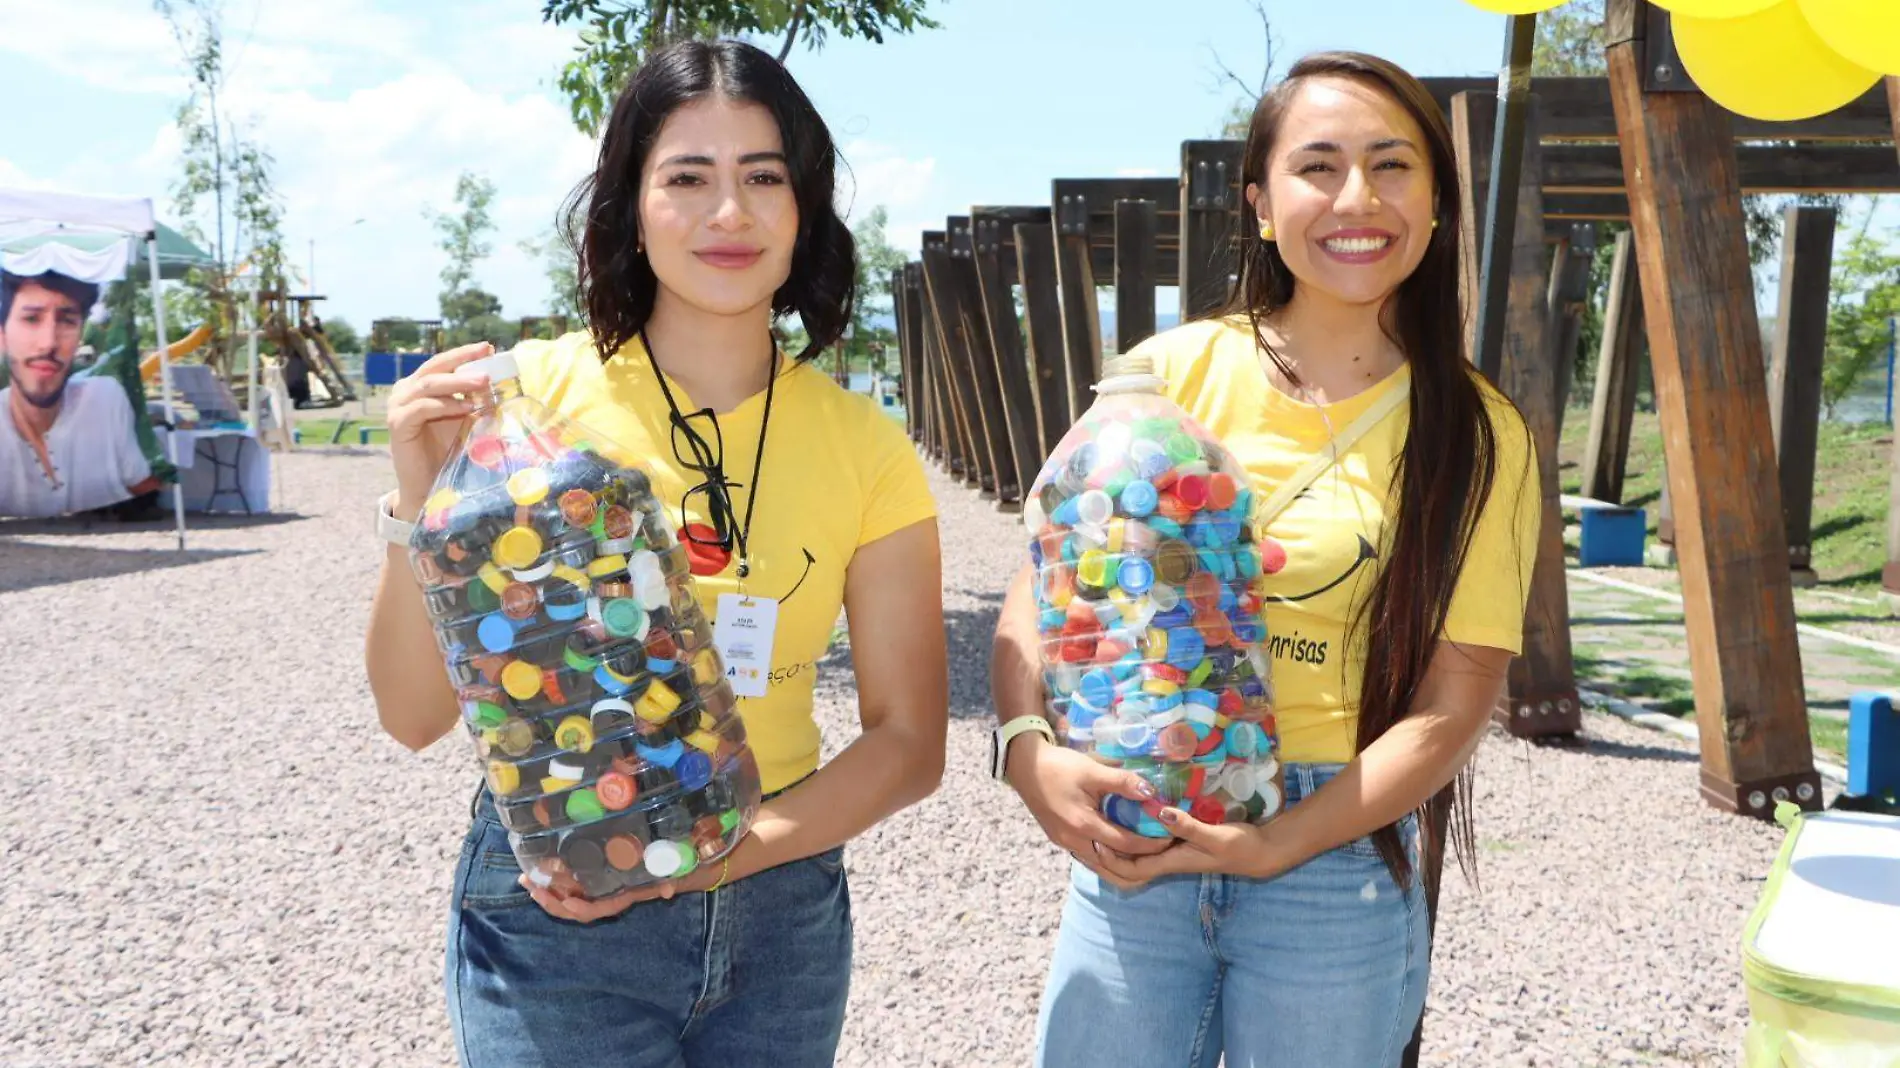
[1864,295]
[225,197]
[343,336]
[870,343]
[462,235]
[1569,42]
[618,35]
[558,264]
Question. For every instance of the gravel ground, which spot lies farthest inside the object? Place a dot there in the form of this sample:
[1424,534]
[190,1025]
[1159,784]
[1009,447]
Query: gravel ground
[217,858]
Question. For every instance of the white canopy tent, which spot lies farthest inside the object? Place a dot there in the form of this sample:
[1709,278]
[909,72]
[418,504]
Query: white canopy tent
[26,213]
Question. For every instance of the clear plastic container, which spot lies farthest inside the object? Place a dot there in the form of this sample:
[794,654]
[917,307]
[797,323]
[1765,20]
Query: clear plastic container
[564,609]
[1154,649]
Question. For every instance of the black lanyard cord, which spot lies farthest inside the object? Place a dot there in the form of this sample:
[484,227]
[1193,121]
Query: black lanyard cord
[758,459]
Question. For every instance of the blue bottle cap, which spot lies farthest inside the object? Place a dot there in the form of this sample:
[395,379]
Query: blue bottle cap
[1185,647]
[665,756]
[1098,689]
[694,769]
[1066,514]
[1136,575]
[1139,499]
[496,633]
[1122,811]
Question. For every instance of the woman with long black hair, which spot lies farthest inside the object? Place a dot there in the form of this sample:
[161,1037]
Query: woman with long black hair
[1395,592]
[709,216]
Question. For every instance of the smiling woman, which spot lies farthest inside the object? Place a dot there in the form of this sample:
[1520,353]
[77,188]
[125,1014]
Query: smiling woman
[708,218]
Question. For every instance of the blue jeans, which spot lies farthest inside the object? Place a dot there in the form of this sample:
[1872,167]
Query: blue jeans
[755,972]
[1323,965]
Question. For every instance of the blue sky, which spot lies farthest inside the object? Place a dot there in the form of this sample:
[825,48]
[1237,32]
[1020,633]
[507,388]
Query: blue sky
[372,108]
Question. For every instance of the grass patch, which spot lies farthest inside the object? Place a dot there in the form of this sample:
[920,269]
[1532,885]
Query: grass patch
[1850,501]
[1675,696]
[320,431]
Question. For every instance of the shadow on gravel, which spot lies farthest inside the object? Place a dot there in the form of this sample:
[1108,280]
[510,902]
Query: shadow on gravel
[1603,747]
[26,565]
[75,527]
[968,634]
[1611,621]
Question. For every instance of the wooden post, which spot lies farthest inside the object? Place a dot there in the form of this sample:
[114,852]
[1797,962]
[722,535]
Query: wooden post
[921,390]
[1135,256]
[1474,119]
[1542,698]
[1794,374]
[1042,305]
[955,438]
[1569,289]
[975,334]
[1705,344]
[1210,202]
[1607,452]
[1022,416]
[953,343]
[1081,321]
[913,413]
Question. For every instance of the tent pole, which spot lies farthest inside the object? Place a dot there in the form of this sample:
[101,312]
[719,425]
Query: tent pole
[165,377]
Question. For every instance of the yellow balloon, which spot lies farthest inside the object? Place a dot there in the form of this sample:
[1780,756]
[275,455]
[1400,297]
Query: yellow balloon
[1864,32]
[1769,65]
[1514,7]
[1715,9]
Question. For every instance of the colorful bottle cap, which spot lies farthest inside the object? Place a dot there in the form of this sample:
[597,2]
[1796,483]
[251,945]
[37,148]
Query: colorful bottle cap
[487,451]
[1133,735]
[575,733]
[578,507]
[617,546]
[1181,448]
[1139,499]
[1094,508]
[694,769]
[528,486]
[496,632]
[492,578]
[616,522]
[485,714]
[625,852]
[1269,799]
[534,574]
[1136,576]
[1191,490]
[584,807]
[1150,459]
[659,702]
[1185,649]
[519,601]
[663,755]
[1177,742]
[664,859]
[503,778]
[624,618]
[521,679]
[517,547]
[1175,562]
[1208,810]
[1223,492]
[515,737]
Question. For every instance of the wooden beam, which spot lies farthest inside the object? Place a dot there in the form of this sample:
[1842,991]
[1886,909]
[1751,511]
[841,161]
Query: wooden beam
[974,325]
[1794,373]
[1578,109]
[1135,222]
[1705,345]
[1613,407]
[1022,418]
[1092,201]
[957,341]
[1569,290]
[1210,203]
[1042,319]
[1081,320]
[1542,698]
[958,440]
[1474,118]
[1566,208]
[1761,169]
[913,413]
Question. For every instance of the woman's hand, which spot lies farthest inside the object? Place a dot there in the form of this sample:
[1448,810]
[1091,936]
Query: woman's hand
[580,910]
[1064,789]
[1227,849]
[424,417]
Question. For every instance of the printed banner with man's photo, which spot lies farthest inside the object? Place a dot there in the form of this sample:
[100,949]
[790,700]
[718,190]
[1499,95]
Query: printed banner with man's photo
[75,435]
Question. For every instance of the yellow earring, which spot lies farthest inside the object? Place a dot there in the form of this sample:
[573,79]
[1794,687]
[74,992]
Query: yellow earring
[1266,229]
[1434,222]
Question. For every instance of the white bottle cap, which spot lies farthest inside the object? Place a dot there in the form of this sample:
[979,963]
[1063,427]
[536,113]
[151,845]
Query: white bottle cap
[499,368]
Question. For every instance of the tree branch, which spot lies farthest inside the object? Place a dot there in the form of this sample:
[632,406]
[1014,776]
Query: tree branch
[791,33]
[1226,73]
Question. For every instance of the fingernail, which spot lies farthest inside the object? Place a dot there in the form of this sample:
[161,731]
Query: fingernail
[1145,788]
[1169,815]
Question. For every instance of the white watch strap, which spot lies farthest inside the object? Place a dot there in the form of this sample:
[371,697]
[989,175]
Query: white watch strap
[388,527]
[1009,731]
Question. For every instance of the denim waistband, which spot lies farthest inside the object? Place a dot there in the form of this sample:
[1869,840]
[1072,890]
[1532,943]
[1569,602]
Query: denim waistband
[1303,779]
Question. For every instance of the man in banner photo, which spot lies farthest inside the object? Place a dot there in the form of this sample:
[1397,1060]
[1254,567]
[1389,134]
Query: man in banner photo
[66,445]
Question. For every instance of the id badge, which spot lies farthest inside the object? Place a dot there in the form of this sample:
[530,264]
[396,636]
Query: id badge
[743,635]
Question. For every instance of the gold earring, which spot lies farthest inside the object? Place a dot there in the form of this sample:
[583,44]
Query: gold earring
[1434,222]
[1266,229]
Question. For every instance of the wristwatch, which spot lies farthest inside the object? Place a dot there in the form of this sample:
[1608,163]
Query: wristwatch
[1007,732]
[388,527]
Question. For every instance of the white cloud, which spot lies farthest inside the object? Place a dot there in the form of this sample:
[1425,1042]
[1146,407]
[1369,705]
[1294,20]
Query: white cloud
[876,174]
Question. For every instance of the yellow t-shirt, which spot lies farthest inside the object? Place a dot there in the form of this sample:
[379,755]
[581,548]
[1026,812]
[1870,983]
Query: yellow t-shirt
[838,473]
[1333,534]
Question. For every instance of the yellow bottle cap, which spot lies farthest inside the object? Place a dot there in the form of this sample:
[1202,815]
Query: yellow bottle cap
[521,679]
[606,565]
[704,741]
[529,486]
[503,778]
[518,547]
[575,733]
[1092,568]
[492,577]
[573,575]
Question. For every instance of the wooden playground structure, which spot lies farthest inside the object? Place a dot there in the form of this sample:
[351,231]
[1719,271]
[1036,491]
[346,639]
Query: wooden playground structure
[991,394]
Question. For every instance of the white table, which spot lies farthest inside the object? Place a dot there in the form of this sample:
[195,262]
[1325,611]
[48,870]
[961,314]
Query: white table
[219,469]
